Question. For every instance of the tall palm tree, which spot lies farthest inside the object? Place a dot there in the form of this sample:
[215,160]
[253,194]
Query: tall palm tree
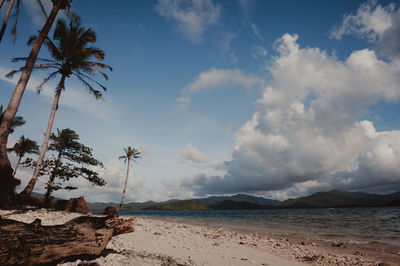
[7,182]
[22,147]
[72,55]
[17,121]
[131,154]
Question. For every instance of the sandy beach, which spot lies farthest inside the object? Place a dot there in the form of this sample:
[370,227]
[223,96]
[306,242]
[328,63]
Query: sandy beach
[161,242]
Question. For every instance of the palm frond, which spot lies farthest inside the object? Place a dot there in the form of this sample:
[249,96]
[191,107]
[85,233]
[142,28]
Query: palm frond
[49,77]
[96,64]
[42,8]
[89,78]
[93,71]
[11,74]
[31,40]
[14,28]
[93,91]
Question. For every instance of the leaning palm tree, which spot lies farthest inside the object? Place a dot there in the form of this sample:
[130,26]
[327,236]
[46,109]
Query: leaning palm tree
[131,154]
[72,57]
[22,147]
[7,182]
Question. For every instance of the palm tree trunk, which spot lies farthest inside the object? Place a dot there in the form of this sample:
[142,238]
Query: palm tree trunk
[5,20]
[1,3]
[126,183]
[43,150]
[7,183]
[16,167]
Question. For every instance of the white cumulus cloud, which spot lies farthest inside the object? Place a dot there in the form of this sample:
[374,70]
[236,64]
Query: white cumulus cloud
[306,133]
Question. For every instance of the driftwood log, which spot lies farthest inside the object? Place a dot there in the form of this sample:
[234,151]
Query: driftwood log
[33,244]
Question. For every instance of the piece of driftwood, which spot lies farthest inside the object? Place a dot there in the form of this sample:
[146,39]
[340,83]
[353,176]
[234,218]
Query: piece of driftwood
[32,244]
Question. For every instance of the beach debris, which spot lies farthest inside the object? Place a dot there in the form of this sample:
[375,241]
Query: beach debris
[78,205]
[338,245]
[31,244]
[110,211]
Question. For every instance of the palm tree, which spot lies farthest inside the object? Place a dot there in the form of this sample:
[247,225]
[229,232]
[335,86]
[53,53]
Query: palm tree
[72,56]
[22,147]
[7,182]
[130,154]
[17,121]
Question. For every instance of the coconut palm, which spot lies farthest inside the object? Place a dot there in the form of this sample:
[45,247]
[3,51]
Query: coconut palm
[7,182]
[72,57]
[131,154]
[22,147]
[17,121]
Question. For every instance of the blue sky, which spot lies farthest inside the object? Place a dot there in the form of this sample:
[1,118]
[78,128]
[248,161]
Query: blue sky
[273,98]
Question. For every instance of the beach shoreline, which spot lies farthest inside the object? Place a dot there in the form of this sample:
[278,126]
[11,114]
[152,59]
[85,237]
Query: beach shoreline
[377,250]
[165,242]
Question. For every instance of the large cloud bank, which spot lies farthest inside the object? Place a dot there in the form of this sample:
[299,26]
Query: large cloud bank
[308,131]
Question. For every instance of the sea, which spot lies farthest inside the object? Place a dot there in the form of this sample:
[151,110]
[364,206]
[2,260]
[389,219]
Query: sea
[367,226]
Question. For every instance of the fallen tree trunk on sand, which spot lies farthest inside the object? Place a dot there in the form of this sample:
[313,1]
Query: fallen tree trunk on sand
[82,237]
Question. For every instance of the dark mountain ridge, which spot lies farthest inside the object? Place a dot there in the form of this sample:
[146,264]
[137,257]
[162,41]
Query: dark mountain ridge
[330,199]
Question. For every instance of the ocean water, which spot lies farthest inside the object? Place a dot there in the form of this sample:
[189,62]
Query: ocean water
[352,225]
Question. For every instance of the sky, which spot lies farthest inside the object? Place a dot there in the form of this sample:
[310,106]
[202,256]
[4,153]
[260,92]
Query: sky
[271,98]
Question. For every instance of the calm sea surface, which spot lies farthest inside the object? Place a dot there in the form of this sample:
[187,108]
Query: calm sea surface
[358,225]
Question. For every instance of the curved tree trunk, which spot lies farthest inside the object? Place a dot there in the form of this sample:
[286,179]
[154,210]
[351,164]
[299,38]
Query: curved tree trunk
[51,180]
[5,20]
[7,182]
[126,182]
[16,167]
[32,182]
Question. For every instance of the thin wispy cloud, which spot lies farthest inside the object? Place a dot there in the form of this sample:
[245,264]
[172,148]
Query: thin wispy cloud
[191,156]
[74,97]
[183,102]
[223,78]
[256,32]
[193,17]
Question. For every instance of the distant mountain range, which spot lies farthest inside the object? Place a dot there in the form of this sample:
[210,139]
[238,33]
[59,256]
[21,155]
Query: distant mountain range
[331,199]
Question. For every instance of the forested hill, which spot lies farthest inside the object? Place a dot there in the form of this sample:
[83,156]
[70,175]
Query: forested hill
[331,199]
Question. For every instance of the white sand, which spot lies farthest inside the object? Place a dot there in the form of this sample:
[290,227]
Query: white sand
[158,242]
